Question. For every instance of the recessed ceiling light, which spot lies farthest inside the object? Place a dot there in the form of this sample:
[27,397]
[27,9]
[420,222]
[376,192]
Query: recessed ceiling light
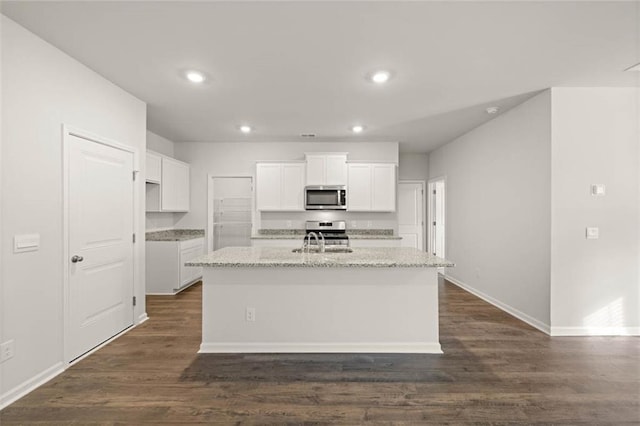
[357,128]
[195,76]
[245,129]
[493,110]
[380,77]
[635,67]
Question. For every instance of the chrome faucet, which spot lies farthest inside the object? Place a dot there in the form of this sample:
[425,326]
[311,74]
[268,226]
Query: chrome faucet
[322,243]
[306,241]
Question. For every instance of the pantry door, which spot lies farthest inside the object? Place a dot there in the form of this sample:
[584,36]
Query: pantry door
[410,213]
[99,260]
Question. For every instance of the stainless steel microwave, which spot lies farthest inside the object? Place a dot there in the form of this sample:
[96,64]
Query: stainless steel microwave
[325,197]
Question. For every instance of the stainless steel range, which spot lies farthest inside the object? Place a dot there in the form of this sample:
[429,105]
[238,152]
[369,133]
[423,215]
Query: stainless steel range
[334,233]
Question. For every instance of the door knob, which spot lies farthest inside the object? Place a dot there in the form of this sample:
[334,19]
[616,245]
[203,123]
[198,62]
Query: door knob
[76,259]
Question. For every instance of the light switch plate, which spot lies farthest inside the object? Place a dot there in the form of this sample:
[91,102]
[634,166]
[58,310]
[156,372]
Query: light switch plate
[26,242]
[593,233]
[598,189]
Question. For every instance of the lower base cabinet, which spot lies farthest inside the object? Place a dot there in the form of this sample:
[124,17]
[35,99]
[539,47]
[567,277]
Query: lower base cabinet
[165,270]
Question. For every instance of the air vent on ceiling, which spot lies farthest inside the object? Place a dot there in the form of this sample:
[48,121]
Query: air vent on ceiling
[308,135]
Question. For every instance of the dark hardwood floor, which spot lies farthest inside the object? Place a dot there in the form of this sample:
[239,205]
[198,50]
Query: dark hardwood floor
[495,369]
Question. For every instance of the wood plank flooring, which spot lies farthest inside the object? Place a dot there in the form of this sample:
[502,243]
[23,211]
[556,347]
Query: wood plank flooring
[495,370]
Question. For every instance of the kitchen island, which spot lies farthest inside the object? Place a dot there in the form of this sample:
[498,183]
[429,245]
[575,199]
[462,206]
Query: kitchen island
[259,299]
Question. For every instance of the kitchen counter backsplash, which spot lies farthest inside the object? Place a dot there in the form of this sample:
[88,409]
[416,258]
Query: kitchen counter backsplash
[175,235]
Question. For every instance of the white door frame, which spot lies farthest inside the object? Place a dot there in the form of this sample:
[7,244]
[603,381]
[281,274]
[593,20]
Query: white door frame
[67,132]
[430,217]
[424,208]
[210,197]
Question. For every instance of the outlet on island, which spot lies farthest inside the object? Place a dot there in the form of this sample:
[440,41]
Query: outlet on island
[250,314]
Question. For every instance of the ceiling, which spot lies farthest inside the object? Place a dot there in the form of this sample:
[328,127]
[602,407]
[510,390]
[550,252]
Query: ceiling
[288,68]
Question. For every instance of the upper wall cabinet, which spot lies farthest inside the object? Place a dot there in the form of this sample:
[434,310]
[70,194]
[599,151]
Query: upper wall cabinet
[167,184]
[153,168]
[280,186]
[326,169]
[371,187]
[175,185]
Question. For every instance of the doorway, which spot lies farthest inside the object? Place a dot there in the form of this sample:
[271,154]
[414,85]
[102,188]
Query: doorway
[411,213]
[230,212]
[99,262]
[437,225]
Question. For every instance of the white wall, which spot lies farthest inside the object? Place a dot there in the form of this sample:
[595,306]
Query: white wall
[239,159]
[155,220]
[42,88]
[413,166]
[594,283]
[159,144]
[498,179]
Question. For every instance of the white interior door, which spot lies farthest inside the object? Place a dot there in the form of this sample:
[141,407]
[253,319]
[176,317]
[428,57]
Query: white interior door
[437,217]
[100,232]
[410,214]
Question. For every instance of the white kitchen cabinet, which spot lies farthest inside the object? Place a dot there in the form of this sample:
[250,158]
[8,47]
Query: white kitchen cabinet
[371,187]
[167,184]
[165,270]
[174,186]
[280,186]
[326,169]
[153,168]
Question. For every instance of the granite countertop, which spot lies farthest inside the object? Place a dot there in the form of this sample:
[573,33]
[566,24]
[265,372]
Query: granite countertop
[175,235]
[392,257]
[297,234]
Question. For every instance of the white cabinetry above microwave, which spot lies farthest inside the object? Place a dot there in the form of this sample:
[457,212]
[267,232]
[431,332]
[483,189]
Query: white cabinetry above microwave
[280,186]
[326,168]
[371,187]
[167,184]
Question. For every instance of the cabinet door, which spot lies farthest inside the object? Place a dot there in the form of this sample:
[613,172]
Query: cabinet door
[293,177]
[316,169]
[359,187]
[336,170]
[189,273]
[383,198]
[153,168]
[268,186]
[175,185]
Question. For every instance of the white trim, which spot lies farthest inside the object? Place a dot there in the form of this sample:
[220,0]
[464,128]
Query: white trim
[259,347]
[68,131]
[424,207]
[595,331]
[502,306]
[430,248]
[143,317]
[33,383]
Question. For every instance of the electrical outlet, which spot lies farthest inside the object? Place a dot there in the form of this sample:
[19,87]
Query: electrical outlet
[250,314]
[289,224]
[6,350]
[354,224]
[369,224]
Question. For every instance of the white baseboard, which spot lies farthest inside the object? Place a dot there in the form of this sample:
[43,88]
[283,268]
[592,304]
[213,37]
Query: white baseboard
[31,384]
[500,305]
[259,347]
[142,318]
[595,331]
[24,388]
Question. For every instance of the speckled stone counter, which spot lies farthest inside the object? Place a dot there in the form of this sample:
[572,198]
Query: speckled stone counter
[393,257]
[175,235]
